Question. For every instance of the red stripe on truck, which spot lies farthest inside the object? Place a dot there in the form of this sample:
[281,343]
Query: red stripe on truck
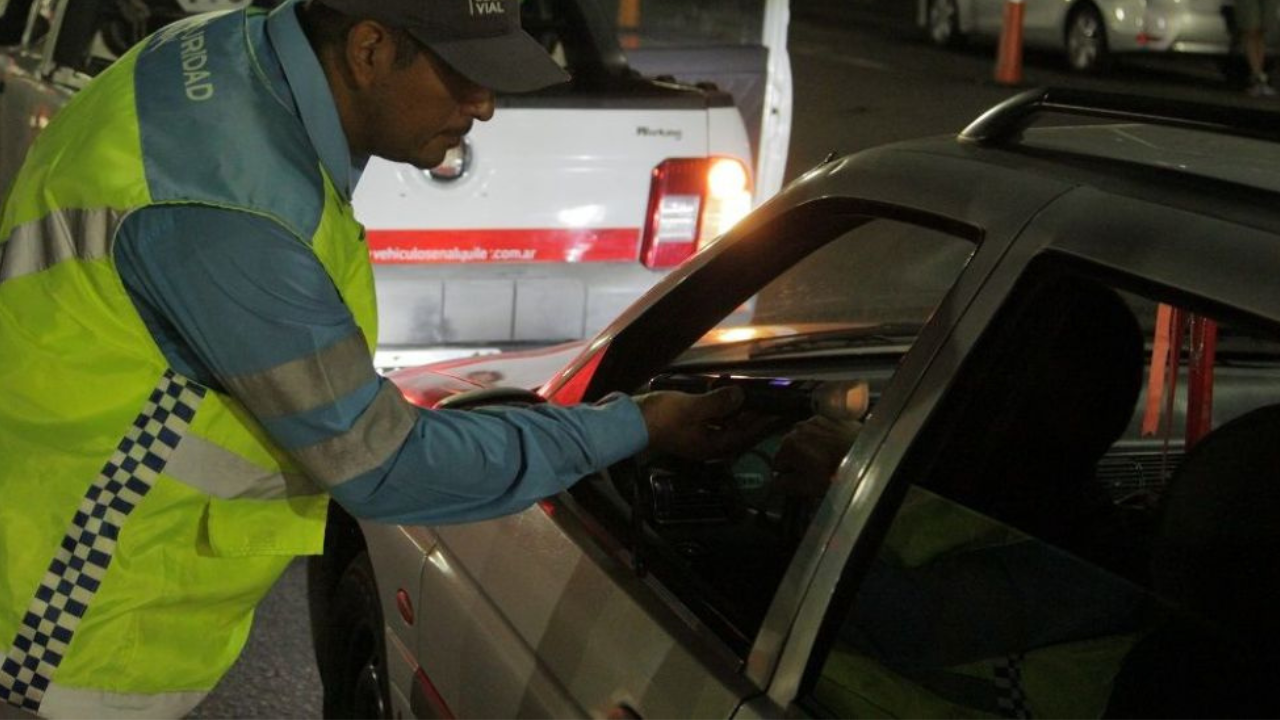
[433,247]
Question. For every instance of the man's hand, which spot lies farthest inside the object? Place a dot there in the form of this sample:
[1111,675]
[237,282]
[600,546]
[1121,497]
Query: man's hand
[699,427]
[810,454]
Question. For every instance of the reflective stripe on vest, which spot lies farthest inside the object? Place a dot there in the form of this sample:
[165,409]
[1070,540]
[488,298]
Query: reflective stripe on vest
[59,236]
[64,702]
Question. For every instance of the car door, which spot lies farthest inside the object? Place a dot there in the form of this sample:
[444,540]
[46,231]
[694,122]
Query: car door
[1043,24]
[573,608]
[988,17]
[1002,464]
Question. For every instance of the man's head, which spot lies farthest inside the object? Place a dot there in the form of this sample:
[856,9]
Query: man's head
[411,76]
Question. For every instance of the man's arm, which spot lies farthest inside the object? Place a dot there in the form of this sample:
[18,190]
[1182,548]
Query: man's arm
[237,303]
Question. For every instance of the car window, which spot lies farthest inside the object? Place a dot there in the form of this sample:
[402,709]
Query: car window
[873,287]
[719,535]
[1016,579]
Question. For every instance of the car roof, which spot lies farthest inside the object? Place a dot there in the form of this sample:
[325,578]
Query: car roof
[1187,197]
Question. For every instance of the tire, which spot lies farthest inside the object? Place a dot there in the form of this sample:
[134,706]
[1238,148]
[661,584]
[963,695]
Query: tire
[355,661]
[1085,40]
[943,23]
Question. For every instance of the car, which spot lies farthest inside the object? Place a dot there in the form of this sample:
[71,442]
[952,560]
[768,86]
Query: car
[1049,347]
[1091,33]
[548,220]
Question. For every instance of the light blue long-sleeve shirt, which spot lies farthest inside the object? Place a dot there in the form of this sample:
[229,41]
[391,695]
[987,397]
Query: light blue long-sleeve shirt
[229,295]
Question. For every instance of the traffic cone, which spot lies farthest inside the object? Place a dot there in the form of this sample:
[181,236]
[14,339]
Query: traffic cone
[629,23]
[1009,58]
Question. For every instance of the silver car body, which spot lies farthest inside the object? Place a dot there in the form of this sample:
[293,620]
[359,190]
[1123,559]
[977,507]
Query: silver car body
[540,614]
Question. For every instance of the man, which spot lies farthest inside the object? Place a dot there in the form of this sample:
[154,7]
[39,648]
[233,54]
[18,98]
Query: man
[1253,19]
[186,320]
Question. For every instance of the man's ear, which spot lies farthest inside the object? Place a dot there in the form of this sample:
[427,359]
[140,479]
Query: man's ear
[370,52]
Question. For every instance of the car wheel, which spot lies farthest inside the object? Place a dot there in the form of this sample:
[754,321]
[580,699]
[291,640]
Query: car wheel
[1086,40]
[944,23]
[356,679]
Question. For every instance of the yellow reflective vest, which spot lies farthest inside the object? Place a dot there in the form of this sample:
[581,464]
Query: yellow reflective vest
[142,516]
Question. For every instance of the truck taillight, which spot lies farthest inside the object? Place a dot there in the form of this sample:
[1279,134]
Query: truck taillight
[691,201]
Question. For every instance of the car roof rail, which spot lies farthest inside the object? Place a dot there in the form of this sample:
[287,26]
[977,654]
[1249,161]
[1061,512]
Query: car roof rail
[1006,121]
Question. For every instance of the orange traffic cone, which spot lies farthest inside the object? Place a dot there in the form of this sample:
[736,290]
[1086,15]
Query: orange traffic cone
[1009,59]
[629,23]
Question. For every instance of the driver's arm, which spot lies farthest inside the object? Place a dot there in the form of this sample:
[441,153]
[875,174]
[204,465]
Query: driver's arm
[810,454]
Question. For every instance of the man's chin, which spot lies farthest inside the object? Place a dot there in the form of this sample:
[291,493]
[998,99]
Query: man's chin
[429,159]
[430,156]
[424,161]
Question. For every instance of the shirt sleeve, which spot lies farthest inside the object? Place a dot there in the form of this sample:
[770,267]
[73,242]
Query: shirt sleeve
[236,302]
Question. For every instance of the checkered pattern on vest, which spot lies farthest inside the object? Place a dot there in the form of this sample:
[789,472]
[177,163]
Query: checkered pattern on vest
[1012,700]
[77,569]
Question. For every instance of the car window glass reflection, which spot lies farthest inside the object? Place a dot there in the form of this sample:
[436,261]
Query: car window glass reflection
[1018,579]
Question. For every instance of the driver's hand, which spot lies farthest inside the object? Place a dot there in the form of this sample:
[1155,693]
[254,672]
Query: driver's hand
[700,426]
[810,454]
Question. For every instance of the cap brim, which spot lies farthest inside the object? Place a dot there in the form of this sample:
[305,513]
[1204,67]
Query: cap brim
[512,63]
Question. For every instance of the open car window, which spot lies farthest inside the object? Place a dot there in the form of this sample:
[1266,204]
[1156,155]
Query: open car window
[718,536]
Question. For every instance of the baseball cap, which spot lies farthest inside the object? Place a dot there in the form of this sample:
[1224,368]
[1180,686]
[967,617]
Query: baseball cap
[481,39]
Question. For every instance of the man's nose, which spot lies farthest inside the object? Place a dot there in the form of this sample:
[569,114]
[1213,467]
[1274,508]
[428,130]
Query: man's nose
[479,103]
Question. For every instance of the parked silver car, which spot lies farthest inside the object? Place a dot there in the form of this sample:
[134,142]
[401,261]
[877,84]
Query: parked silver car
[1015,530]
[1090,32]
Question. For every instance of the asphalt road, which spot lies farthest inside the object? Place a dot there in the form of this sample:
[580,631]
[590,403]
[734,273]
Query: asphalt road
[863,76]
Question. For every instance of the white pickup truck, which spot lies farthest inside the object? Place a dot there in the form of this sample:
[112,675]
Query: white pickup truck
[552,217]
